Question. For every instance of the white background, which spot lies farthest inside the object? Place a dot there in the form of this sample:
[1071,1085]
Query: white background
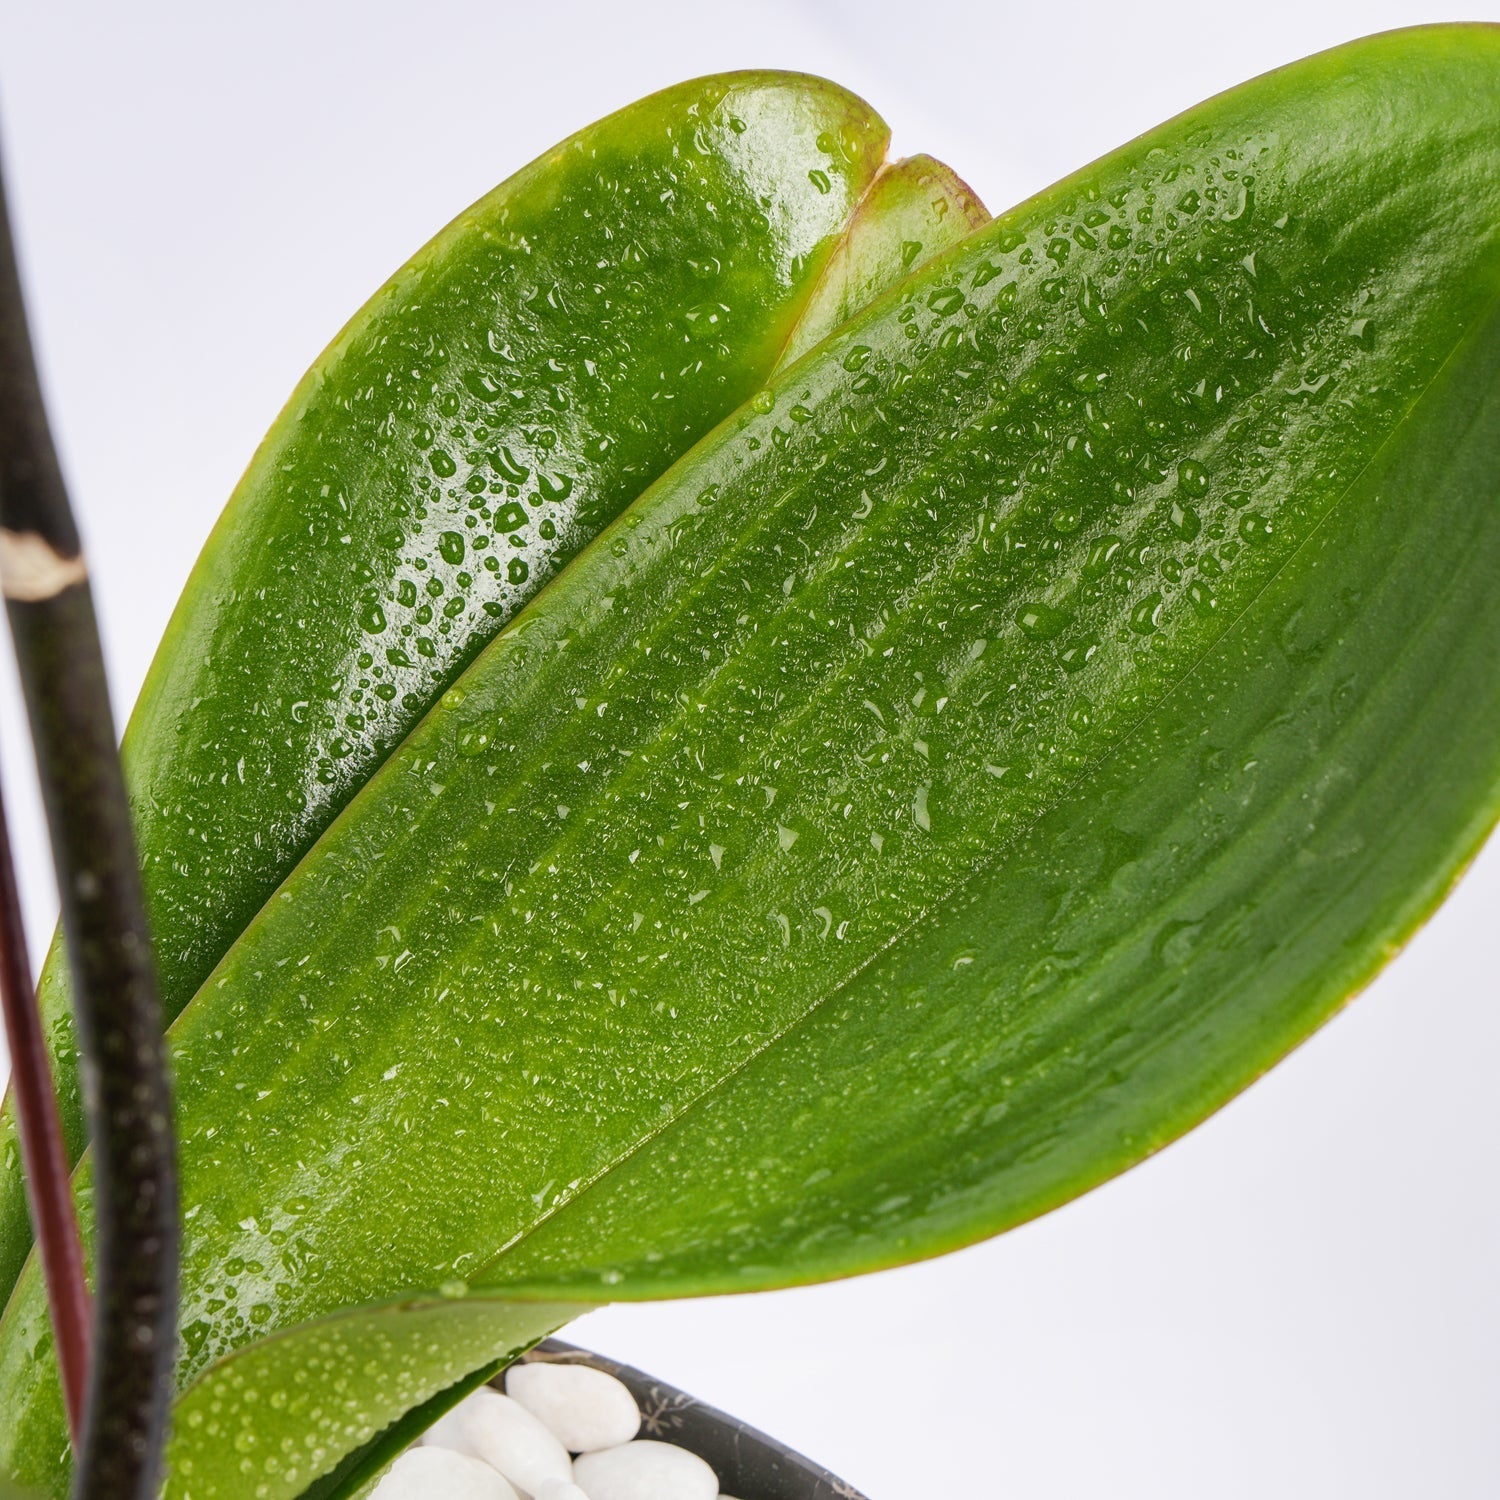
[1300,1300]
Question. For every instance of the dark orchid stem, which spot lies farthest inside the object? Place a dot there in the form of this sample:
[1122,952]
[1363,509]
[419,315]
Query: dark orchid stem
[115,997]
[43,1149]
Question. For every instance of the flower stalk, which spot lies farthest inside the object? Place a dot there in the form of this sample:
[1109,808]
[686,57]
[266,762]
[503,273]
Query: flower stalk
[115,996]
[43,1149]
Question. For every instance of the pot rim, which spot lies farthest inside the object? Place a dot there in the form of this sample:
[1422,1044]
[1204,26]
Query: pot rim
[750,1464]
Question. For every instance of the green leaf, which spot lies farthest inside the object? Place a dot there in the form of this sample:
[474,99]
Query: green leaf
[361,1469]
[913,211]
[287,1408]
[508,392]
[974,762]
[272,595]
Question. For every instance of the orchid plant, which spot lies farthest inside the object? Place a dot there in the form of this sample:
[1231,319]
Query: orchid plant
[750,722]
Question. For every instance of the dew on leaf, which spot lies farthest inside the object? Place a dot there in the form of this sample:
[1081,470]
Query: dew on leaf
[1101,555]
[1192,477]
[506,466]
[1185,521]
[1041,621]
[1146,616]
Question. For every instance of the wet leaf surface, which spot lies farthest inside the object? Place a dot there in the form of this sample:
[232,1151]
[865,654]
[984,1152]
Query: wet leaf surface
[1028,717]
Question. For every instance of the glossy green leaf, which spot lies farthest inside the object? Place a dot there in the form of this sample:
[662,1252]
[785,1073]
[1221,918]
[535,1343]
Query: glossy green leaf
[913,211]
[975,761]
[352,1376]
[361,1469]
[508,392]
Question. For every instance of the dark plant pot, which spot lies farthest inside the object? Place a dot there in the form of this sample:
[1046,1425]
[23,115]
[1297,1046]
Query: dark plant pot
[750,1465]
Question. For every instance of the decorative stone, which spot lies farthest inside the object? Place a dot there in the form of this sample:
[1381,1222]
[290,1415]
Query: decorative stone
[559,1489]
[508,1438]
[448,1431]
[645,1470]
[585,1409]
[421,1473]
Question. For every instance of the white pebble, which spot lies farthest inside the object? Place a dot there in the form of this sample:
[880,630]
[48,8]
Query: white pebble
[448,1431]
[586,1409]
[421,1473]
[645,1471]
[559,1489]
[507,1437]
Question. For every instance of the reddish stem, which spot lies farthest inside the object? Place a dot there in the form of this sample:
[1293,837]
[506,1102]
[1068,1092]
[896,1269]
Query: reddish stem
[43,1150]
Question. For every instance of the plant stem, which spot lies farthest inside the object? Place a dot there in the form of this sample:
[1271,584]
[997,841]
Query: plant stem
[43,1149]
[115,996]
